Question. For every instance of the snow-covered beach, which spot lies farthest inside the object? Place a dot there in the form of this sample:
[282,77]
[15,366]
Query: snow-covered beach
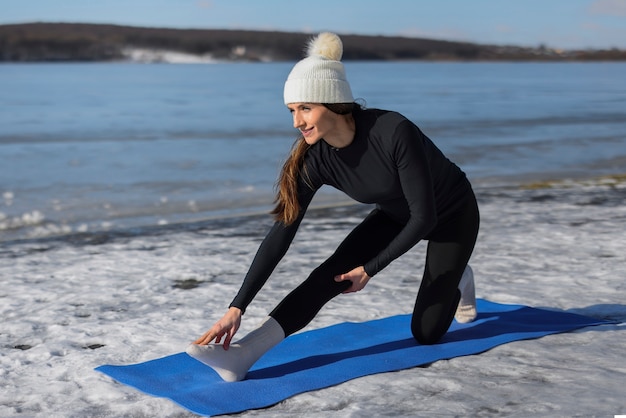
[125,229]
[73,303]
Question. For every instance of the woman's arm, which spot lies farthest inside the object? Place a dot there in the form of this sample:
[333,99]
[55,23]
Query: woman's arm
[412,161]
[269,254]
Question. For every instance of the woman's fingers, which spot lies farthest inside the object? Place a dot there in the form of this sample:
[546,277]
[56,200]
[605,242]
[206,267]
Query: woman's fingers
[224,328]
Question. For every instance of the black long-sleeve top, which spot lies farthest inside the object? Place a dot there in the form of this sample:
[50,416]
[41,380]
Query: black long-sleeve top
[390,163]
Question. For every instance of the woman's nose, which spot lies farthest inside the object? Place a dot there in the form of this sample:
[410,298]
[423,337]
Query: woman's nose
[297,120]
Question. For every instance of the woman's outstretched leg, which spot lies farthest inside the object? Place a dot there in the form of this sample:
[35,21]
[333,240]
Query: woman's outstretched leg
[300,306]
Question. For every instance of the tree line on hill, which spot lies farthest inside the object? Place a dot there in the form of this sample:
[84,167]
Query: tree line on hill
[71,42]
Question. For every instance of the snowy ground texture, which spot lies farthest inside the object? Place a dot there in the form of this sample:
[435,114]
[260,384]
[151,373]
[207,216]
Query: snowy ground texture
[69,305]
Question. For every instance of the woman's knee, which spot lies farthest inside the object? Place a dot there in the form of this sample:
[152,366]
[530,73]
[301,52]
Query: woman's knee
[430,323]
[426,337]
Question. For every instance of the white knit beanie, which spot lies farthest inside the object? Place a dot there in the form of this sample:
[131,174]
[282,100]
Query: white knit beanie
[320,77]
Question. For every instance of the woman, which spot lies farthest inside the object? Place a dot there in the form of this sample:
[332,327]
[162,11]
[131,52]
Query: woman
[374,156]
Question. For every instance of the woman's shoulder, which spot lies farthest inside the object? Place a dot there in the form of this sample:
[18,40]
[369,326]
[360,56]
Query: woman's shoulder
[382,124]
[314,159]
[380,117]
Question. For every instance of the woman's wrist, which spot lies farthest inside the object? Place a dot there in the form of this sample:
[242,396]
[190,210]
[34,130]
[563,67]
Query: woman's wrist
[235,310]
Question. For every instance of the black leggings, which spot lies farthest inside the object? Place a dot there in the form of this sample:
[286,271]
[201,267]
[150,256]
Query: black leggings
[449,249]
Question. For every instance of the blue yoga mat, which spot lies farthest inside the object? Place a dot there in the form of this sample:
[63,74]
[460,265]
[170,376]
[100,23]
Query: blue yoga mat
[325,357]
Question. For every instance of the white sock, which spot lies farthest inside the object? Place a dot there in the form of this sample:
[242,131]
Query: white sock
[233,364]
[466,311]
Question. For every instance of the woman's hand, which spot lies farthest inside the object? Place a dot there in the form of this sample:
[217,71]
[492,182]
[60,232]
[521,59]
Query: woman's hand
[224,328]
[357,276]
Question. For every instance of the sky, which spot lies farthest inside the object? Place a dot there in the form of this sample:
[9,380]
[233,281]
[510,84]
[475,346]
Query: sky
[564,24]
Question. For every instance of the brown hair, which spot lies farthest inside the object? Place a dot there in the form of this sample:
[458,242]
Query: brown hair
[287,207]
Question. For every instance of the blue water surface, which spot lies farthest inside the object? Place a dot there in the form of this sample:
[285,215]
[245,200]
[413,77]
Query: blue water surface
[88,146]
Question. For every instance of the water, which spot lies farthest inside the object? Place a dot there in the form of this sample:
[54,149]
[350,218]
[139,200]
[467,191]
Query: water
[93,147]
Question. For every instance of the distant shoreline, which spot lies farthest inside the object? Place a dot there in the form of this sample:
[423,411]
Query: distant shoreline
[77,42]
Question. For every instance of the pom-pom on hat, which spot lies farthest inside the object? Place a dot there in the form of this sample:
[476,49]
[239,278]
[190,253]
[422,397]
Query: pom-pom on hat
[320,77]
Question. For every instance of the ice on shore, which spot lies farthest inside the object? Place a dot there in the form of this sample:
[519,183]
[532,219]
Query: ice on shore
[69,305]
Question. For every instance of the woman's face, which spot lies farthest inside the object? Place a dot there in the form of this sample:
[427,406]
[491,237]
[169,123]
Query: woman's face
[313,120]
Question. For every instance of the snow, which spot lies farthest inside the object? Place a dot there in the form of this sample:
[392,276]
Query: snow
[71,304]
[151,55]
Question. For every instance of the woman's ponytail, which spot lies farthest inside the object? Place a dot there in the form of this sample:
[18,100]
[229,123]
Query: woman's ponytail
[287,206]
